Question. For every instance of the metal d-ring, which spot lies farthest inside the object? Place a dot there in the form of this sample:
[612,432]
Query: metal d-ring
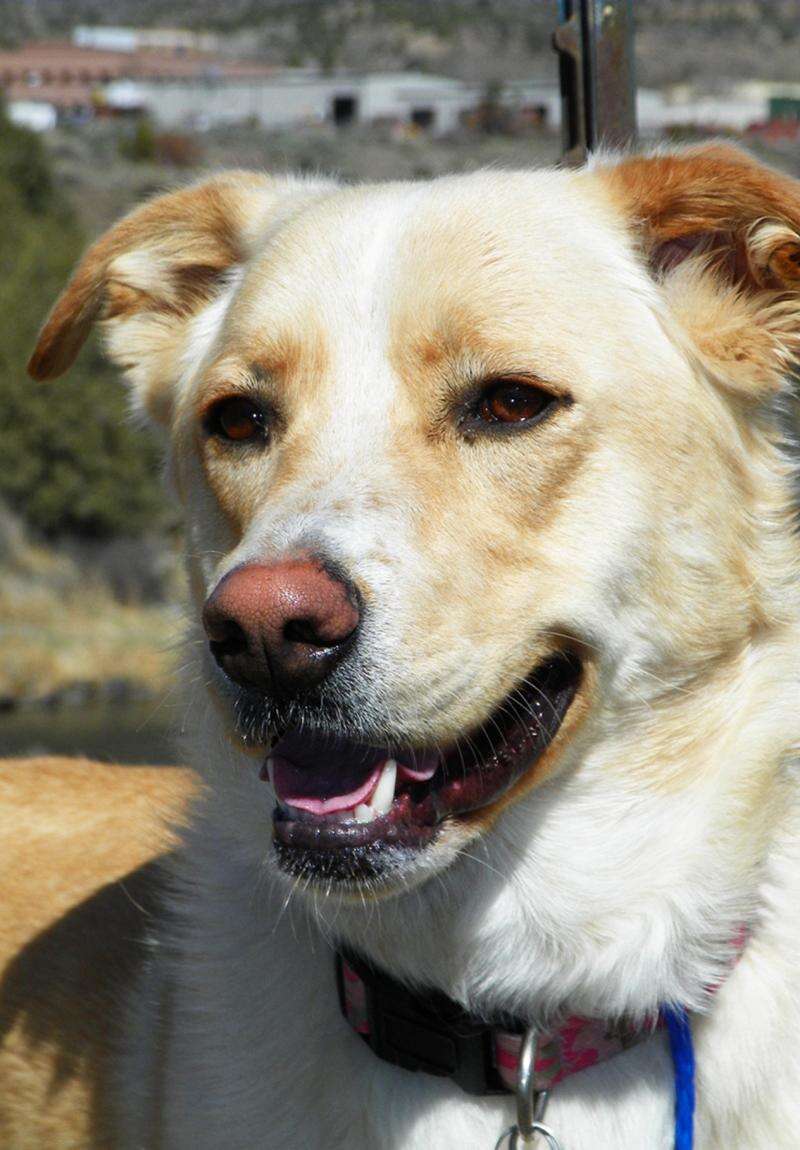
[510,1139]
[531,1104]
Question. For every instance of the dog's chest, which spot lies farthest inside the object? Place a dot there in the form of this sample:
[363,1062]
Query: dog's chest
[305,1081]
[260,1058]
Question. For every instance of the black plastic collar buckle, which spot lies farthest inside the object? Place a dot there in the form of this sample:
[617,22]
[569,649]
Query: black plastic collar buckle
[425,1031]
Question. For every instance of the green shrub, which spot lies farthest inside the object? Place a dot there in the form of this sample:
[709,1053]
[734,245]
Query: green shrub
[24,167]
[70,460]
[141,144]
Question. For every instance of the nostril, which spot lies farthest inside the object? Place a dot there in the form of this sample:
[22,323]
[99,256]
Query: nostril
[307,631]
[302,631]
[228,639]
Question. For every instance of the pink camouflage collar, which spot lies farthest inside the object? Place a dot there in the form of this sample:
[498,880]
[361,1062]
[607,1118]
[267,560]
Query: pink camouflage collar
[427,1031]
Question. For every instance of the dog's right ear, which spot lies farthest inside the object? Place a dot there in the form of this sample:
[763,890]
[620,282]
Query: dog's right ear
[153,271]
[720,233]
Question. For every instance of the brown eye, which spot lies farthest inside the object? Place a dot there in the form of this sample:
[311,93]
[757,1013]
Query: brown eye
[237,419]
[509,401]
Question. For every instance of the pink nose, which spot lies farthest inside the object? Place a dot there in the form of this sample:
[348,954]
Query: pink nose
[281,627]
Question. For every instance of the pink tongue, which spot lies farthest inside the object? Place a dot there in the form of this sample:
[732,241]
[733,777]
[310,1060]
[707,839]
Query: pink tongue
[300,788]
[324,773]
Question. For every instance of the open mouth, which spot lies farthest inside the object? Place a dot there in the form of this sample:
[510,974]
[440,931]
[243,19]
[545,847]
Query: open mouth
[342,806]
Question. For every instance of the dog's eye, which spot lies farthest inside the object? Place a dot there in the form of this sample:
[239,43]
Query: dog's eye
[237,419]
[512,401]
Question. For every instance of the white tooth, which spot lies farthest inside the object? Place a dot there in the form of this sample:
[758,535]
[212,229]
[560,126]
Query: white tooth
[271,772]
[364,813]
[383,796]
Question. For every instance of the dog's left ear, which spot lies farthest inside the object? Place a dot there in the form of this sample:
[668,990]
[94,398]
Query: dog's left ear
[721,233]
[154,271]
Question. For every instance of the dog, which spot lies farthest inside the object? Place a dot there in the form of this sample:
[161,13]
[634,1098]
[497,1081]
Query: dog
[490,531]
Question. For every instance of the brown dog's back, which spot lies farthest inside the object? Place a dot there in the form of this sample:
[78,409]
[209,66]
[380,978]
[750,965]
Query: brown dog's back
[79,851]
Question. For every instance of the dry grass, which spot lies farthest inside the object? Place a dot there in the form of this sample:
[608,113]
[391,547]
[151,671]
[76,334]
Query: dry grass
[50,643]
[58,629]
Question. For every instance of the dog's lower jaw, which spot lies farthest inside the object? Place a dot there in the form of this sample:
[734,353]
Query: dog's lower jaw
[427,803]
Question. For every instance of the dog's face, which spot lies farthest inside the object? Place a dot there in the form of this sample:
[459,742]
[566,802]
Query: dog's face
[467,469]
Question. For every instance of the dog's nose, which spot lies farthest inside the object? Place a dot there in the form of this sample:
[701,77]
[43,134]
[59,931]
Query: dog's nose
[281,627]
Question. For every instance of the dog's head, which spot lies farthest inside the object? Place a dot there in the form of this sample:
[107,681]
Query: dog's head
[474,470]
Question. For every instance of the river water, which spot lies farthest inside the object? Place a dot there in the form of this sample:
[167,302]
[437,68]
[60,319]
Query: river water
[113,732]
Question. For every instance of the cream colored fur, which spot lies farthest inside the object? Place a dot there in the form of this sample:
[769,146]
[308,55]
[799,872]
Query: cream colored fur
[650,524]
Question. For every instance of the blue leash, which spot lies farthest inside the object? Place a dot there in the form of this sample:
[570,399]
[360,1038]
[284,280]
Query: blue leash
[682,1050]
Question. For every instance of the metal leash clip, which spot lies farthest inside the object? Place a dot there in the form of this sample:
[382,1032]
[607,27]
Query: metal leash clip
[531,1105]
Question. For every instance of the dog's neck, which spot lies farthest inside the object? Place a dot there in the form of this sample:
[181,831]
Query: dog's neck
[621,883]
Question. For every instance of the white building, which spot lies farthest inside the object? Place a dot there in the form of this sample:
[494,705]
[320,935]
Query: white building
[732,110]
[36,115]
[110,38]
[294,96]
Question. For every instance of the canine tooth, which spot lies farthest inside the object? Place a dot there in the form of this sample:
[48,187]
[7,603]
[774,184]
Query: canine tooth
[383,796]
[269,771]
[364,813]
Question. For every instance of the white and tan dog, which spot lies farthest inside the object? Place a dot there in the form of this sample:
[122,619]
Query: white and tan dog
[490,531]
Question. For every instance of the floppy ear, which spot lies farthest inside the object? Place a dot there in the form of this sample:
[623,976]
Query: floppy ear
[721,233]
[152,272]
